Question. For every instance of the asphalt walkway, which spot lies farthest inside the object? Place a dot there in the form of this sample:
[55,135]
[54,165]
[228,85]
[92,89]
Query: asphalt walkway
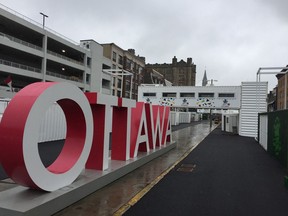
[114,196]
[224,175]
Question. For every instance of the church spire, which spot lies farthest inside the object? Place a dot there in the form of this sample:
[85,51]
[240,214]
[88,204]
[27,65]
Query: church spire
[204,80]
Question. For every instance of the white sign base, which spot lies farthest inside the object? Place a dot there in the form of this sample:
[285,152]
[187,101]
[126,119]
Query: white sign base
[20,201]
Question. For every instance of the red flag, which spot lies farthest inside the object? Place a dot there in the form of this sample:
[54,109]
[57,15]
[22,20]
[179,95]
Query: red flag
[8,82]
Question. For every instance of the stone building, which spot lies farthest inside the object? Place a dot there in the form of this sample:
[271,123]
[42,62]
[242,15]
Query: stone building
[179,73]
[153,77]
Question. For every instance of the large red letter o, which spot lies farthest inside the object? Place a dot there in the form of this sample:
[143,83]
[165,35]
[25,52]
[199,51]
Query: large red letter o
[19,135]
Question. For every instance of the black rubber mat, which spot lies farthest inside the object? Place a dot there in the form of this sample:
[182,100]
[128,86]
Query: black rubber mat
[225,175]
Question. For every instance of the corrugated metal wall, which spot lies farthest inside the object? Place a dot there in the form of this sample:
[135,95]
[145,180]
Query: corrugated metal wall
[253,101]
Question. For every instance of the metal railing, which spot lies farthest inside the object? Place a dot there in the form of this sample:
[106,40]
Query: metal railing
[25,43]
[72,78]
[37,70]
[20,66]
[64,57]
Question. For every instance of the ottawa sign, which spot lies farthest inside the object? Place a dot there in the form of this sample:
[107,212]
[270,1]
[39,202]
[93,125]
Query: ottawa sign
[136,126]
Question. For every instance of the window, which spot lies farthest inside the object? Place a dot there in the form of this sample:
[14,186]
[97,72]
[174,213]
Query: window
[128,64]
[149,94]
[226,95]
[187,94]
[169,94]
[120,60]
[87,78]
[206,94]
[119,83]
[127,86]
[88,62]
[127,94]
[114,80]
[114,56]
[105,84]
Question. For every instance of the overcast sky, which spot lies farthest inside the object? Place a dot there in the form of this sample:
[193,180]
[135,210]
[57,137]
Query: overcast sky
[230,38]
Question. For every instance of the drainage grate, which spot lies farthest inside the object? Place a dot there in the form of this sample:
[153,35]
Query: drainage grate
[186,168]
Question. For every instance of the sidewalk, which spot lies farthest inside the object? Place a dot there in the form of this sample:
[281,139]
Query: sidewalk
[224,175]
[109,199]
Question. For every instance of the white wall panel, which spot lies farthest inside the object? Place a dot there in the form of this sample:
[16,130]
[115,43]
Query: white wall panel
[184,117]
[174,118]
[253,101]
[263,131]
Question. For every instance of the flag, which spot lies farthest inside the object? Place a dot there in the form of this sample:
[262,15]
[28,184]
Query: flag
[8,82]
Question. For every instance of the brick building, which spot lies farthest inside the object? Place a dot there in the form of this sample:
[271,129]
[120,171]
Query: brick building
[282,90]
[125,61]
[179,73]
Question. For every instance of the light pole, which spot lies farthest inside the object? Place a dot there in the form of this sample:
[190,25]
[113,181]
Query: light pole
[44,16]
[44,61]
[212,84]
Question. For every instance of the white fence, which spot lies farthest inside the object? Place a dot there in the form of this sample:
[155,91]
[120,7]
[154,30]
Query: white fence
[53,125]
[183,117]
[3,105]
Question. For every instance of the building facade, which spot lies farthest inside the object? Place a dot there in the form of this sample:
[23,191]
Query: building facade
[282,90]
[179,73]
[32,53]
[249,99]
[200,97]
[115,55]
[272,100]
[127,70]
[153,77]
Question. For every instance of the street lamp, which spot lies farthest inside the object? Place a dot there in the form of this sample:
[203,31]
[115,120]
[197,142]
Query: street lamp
[44,16]
[212,80]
